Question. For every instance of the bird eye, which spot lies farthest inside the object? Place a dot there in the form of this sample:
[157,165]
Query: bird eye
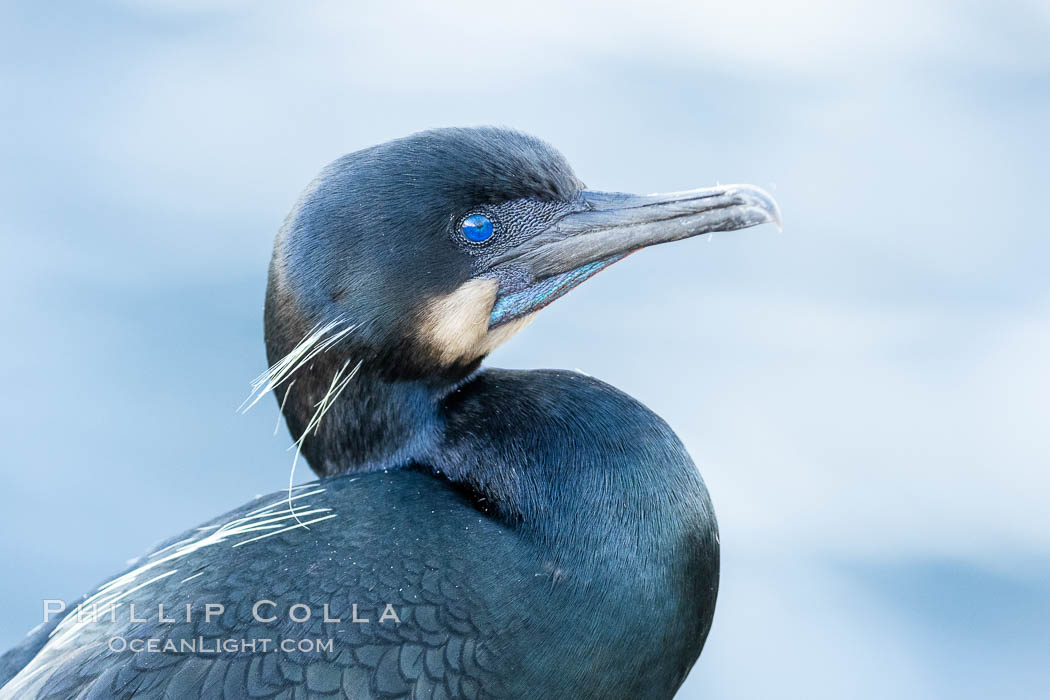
[477,228]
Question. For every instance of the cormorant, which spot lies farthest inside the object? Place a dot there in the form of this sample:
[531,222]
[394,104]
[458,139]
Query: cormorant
[524,534]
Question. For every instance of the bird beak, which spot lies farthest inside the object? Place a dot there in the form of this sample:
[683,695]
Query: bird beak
[608,226]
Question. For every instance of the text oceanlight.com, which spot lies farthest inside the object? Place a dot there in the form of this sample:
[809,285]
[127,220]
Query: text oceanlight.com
[201,645]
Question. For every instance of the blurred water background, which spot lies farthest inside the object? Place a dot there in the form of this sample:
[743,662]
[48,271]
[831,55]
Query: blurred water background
[865,393]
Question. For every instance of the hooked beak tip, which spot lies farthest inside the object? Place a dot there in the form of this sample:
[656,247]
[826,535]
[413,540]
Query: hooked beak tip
[759,201]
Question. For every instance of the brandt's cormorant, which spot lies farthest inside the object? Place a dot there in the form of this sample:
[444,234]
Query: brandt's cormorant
[475,533]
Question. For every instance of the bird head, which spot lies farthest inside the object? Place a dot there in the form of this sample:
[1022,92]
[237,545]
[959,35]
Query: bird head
[438,247]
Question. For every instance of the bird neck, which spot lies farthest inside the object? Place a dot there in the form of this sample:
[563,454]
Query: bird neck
[351,418]
[568,461]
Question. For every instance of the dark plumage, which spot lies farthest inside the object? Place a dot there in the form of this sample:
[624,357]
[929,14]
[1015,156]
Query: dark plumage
[535,534]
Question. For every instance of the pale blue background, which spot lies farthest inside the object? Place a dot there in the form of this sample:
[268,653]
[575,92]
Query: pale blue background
[866,393]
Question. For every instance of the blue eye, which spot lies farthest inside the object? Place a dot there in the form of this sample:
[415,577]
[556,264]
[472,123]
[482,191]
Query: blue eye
[477,228]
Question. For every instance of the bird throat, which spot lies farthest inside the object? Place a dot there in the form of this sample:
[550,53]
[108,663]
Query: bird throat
[455,327]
